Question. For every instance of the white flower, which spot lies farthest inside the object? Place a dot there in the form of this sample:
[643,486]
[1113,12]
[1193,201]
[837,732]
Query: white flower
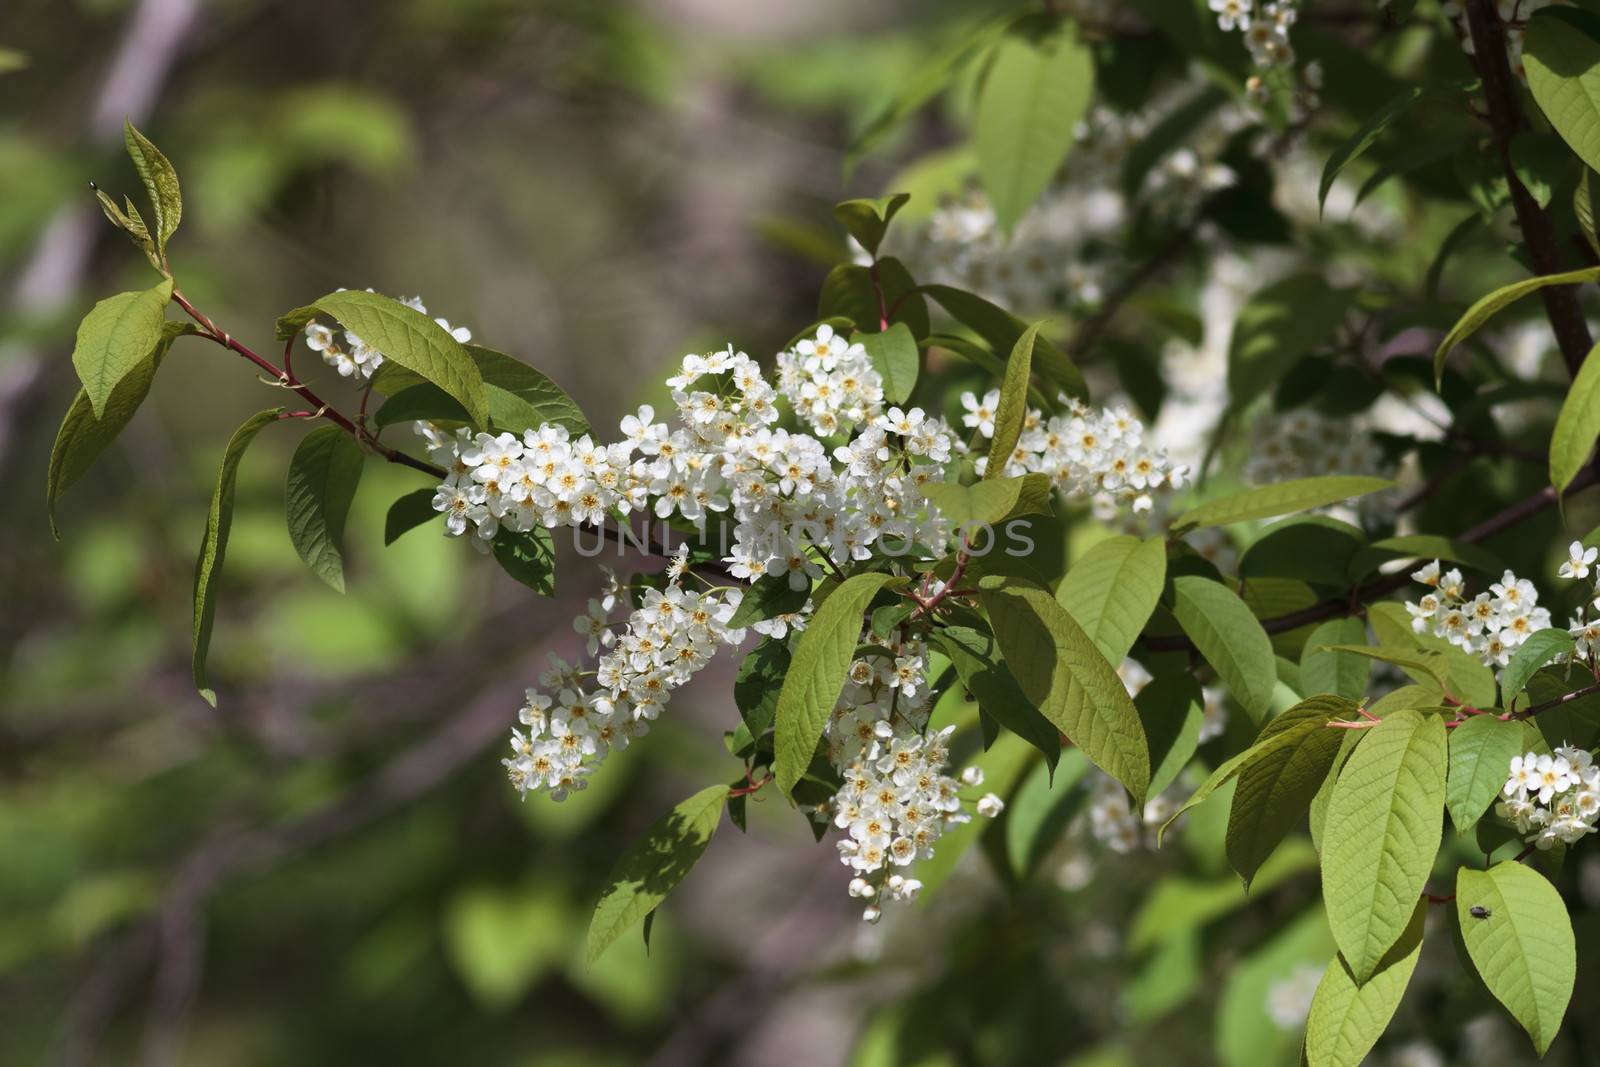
[1580,559]
[990,806]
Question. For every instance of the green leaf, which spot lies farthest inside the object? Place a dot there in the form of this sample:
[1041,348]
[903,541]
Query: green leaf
[1323,669]
[1281,324]
[1562,60]
[323,476]
[406,514]
[1040,810]
[1489,306]
[769,596]
[1572,441]
[868,219]
[83,436]
[1422,546]
[1113,589]
[1423,664]
[896,358]
[1062,672]
[529,557]
[424,401]
[1540,648]
[1583,208]
[817,674]
[653,867]
[219,520]
[1348,1017]
[406,337]
[1276,786]
[1315,549]
[1357,143]
[848,292]
[115,337]
[1013,409]
[755,690]
[522,397]
[1230,638]
[1481,749]
[1173,709]
[1523,945]
[1001,331]
[1026,119]
[1384,825]
[988,502]
[978,663]
[1282,498]
[160,182]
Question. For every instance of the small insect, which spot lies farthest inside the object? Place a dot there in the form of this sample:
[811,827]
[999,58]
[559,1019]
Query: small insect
[1478,911]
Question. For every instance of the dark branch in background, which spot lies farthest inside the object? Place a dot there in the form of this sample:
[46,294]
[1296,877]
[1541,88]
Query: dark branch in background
[1506,121]
[1365,594]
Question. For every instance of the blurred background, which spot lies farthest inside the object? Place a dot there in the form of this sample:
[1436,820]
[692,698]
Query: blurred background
[329,868]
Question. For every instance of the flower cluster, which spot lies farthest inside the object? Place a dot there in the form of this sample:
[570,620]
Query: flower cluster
[781,489]
[1305,444]
[663,643]
[1552,799]
[896,800]
[1513,13]
[1580,565]
[357,359]
[1492,625]
[830,382]
[1100,456]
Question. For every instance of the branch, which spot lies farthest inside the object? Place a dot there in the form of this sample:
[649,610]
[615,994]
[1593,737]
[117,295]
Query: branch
[1505,122]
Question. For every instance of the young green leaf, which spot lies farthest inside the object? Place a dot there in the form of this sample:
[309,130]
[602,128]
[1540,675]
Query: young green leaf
[1013,408]
[1275,787]
[83,436]
[1324,669]
[1384,825]
[1562,58]
[1001,331]
[520,397]
[1113,590]
[1540,648]
[896,358]
[1358,142]
[1282,498]
[1481,749]
[1577,426]
[867,220]
[117,335]
[1230,638]
[323,476]
[1348,1017]
[1172,709]
[653,867]
[1062,672]
[978,663]
[407,513]
[989,502]
[214,546]
[1489,306]
[407,338]
[755,690]
[1519,936]
[769,596]
[1028,111]
[1425,665]
[817,674]
[529,557]
[160,182]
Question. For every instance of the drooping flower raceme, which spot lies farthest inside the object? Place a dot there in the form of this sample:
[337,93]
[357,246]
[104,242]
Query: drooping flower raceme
[794,506]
